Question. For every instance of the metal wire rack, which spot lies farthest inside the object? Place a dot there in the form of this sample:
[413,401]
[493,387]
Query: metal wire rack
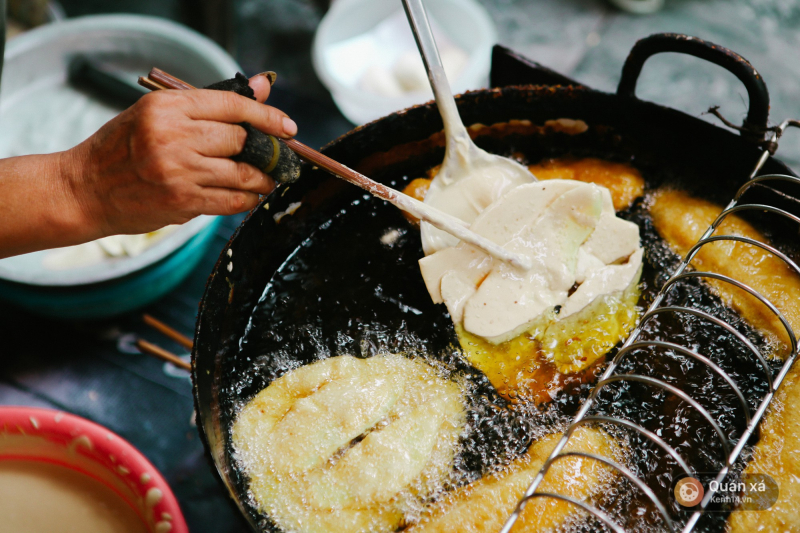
[731,449]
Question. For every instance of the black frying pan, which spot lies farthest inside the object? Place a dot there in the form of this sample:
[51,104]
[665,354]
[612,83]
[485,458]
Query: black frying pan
[319,282]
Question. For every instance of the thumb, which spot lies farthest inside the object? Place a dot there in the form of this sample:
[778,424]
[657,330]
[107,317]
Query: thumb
[261,85]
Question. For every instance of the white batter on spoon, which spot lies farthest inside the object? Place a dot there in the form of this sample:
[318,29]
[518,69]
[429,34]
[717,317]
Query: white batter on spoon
[579,250]
[470,179]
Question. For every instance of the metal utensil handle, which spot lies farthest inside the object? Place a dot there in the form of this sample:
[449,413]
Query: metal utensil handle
[423,35]
[755,125]
[438,219]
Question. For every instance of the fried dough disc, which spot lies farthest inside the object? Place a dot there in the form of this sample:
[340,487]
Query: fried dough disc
[348,444]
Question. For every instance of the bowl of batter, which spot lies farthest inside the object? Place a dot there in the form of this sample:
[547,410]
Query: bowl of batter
[60,472]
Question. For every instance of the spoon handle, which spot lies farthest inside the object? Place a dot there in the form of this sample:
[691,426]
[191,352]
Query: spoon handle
[438,219]
[423,34]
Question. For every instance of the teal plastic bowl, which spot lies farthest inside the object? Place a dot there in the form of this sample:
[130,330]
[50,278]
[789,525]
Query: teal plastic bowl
[118,296]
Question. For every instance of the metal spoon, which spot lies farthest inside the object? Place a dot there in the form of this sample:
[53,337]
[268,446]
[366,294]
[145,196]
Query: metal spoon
[470,178]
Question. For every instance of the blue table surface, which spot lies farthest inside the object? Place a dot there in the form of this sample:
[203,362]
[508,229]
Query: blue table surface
[93,370]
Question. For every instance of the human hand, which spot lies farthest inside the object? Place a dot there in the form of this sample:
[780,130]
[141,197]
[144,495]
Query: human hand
[165,160]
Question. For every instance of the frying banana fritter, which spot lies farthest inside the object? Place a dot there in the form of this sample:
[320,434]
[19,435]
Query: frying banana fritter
[349,444]
[556,355]
[484,505]
[777,454]
[681,220]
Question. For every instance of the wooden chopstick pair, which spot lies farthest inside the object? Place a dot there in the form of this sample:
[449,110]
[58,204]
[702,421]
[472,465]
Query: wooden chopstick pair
[159,352]
[160,80]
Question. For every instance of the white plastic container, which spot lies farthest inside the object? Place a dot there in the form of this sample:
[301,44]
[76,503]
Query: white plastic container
[464,23]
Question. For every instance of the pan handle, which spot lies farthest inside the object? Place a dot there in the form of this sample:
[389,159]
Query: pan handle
[755,125]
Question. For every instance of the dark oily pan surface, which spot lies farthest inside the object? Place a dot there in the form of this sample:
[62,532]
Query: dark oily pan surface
[332,287]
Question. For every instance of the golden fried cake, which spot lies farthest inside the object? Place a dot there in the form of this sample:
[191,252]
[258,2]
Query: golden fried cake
[349,444]
[681,220]
[777,454]
[484,506]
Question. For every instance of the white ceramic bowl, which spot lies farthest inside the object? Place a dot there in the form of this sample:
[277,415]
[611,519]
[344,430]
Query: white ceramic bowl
[464,22]
[35,73]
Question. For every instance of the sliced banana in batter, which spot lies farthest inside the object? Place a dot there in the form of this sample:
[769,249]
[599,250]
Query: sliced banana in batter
[563,315]
[349,444]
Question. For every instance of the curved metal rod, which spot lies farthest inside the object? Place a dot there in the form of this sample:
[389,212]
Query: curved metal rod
[746,288]
[756,207]
[766,177]
[647,434]
[629,475]
[766,247]
[727,327]
[726,447]
[597,513]
[745,436]
[702,358]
